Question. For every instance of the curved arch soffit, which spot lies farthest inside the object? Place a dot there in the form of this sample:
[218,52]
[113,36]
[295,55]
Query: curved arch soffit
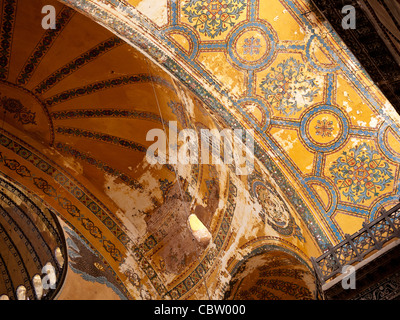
[130,25]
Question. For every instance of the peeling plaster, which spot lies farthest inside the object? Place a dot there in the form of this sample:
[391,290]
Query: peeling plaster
[286,143]
[374,121]
[245,227]
[390,111]
[72,164]
[157,11]
[132,203]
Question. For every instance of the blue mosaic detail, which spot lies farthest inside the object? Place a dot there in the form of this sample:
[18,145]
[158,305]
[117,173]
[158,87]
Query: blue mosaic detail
[317,67]
[330,89]
[212,17]
[188,32]
[286,47]
[217,46]
[361,173]
[286,123]
[262,62]
[286,81]
[319,162]
[257,101]
[353,209]
[382,143]
[334,201]
[365,132]
[320,148]
[250,82]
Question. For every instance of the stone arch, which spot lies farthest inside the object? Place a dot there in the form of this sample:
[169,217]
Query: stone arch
[271,272]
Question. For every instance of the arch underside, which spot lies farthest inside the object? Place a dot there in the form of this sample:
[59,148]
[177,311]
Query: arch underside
[272,273]
[77,104]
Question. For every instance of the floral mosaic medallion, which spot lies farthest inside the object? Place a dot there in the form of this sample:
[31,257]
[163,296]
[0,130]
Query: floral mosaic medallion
[213,17]
[361,173]
[274,210]
[287,88]
[251,46]
[324,128]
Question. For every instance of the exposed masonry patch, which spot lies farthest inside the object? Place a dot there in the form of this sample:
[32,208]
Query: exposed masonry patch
[169,223]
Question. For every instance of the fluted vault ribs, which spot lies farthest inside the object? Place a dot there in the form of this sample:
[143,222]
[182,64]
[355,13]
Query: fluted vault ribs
[31,239]
[6,33]
[270,273]
[43,46]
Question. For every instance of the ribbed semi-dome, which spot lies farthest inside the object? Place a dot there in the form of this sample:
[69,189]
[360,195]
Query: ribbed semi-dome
[271,274]
[32,246]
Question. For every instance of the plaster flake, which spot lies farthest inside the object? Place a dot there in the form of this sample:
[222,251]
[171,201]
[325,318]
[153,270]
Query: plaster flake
[316,26]
[251,107]
[228,83]
[286,143]
[184,170]
[352,65]
[374,121]
[244,227]
[71,163]
[128,265]
[232,251]
[186,101]
[347,106]
[354,142]
[132,203]
[390,111]
[150,183]
[157,11]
